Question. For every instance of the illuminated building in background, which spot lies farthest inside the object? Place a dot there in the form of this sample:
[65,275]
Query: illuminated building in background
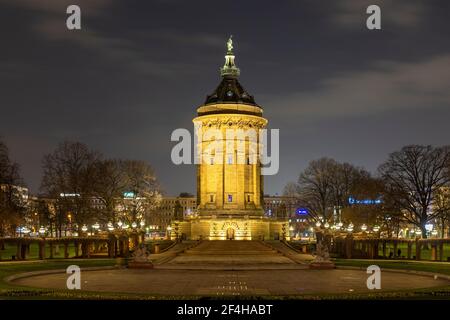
[230,201]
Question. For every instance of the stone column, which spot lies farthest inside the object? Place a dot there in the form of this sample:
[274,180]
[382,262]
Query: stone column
[409,243]
[77,248]
[41,250]
[433,251]
[85,249]
[19,251]
[126,247]
[348,246]
[371,248]
[418,249]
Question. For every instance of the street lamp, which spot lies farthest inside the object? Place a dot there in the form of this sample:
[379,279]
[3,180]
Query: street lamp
[120,224]
[350,227]
[134,225]
[327,225]
[376,228]
[318,224]
[363,227]
[84,228]
[142,223]
[42,231]
[110,227]
[25,230]
[96,226]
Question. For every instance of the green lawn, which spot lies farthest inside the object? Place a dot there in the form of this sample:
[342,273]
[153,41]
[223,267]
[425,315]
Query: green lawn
[435,267]
[425,253]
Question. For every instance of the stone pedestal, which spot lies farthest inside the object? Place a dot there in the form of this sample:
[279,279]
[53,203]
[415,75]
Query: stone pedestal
[140,265]
[322,265]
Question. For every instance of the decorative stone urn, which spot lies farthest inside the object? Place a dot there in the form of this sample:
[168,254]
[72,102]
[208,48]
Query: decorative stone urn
[322,258]
[140,259]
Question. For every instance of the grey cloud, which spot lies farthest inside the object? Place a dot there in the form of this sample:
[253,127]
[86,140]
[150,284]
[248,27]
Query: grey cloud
[387,86]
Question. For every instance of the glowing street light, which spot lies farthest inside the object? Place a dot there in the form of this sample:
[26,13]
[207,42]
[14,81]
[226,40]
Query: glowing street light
[110,227]
[376,228]
[42,231]
[350,227]
[363,227]
[120,224]
[327,225]
[318,224]
[134,225]
[142,223]
[84,228]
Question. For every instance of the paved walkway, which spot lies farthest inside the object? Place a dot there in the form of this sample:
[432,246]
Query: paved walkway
[216,283]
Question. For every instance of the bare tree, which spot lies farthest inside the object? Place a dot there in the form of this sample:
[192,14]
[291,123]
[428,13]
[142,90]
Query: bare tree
[69,177]
[315,186]
[441,205]
[413,176]
[142,184]
[12,206]
[110,186]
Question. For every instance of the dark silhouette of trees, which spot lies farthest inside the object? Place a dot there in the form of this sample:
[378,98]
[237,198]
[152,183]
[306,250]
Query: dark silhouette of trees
[12,205]
[413,178]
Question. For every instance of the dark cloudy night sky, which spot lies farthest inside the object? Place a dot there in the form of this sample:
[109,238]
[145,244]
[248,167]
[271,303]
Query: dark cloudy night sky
[139,69]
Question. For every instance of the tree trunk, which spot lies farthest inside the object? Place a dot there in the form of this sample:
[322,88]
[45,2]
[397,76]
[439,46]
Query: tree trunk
[424,231]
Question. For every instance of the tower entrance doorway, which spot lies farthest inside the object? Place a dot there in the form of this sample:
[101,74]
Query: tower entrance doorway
[230,234]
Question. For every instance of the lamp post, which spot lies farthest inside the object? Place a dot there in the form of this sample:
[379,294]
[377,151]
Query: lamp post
[169,229]
[42,231]
[350,227]
[96,226]
[25,230]
[110,227]
[84,229]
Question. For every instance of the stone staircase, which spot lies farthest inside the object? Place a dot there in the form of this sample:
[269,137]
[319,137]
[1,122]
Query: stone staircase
[230,255]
